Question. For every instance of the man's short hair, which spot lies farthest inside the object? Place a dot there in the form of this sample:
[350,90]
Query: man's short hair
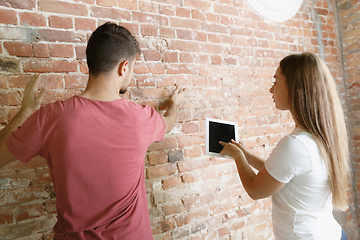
[109,45]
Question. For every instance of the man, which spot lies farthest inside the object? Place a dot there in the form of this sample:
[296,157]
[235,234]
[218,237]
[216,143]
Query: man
[94,144]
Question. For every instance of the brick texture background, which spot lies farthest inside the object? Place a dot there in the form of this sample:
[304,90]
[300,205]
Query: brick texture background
[349,27]
[223,53]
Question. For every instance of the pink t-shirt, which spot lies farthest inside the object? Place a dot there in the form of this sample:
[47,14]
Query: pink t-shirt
[95,152]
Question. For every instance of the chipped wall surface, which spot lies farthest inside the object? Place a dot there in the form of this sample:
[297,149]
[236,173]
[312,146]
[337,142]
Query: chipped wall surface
[222,52]
[349,29]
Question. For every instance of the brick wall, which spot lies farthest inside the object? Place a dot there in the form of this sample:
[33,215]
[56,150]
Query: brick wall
[349,19]
[221,51]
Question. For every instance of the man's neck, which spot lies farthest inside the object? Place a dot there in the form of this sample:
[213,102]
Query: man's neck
[99,88]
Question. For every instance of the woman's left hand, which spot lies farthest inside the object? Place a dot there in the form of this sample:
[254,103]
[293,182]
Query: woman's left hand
[231,149]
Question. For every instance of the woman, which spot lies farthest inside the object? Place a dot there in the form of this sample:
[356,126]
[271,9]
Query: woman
[307,172]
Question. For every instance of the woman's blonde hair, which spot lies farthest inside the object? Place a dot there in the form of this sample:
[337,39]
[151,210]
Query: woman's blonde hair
[317,108]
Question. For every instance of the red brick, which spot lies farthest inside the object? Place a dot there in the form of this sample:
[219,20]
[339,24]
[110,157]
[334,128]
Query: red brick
[32,19]
[51,81]
[179,69]
[190,128]
[50,206]
[42,66]
[147,6]
[63,7]
[83,67]
[166,10]
[3,82]
[186,57]
[149,30]
[184,34]
[29,212]
[157,158]
[53,35]
[133,28]
[41,50]
[107,3]
[128,4]
[214,18]
[189,165]
[172,182]
[184,46]
[200,36]
[61,50]
[18,81]
[167,32]
[24,4]
[170,56]
[164,226]
[197,14]
[6,215]
[198,4]
[85,24]
[19,49]
[223,231]
[190,140]
[165,81]
[185,23]
[193,152]
[190,177]
[145,81]
[80,52]
[161,170]
[60,22]
[112,13]
[183,12]
[146,18]
[216,59]
[75,81]
[8,16]
[173,208]
[190,217]
[156,68]
[152,55]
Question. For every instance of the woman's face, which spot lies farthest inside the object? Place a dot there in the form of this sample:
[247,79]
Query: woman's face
[280,91]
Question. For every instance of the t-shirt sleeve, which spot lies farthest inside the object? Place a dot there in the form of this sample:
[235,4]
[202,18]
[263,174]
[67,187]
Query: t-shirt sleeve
[289,159]
[159,125]
[25,142]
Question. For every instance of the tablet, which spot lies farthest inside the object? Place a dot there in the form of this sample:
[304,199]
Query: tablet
[219,130]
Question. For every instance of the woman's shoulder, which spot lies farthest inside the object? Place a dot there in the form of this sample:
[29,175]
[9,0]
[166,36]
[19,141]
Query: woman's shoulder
[306,139]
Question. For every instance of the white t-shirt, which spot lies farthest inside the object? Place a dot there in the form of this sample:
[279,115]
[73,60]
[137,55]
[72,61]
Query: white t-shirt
[302,209]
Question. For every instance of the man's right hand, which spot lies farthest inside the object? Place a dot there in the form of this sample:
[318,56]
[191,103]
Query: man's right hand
[178,96]
[170,115]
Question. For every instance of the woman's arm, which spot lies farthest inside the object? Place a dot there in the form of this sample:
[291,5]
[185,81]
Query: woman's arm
[253,160]
[259,185]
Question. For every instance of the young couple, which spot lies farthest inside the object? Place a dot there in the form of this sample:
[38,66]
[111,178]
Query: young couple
[95,144]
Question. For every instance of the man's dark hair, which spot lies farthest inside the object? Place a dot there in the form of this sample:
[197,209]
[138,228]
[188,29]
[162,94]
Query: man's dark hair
[108,45]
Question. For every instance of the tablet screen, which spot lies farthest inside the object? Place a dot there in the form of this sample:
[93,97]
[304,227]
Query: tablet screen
[219,130]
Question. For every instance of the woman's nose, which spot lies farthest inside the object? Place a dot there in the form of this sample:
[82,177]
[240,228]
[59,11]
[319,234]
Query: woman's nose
[271,90]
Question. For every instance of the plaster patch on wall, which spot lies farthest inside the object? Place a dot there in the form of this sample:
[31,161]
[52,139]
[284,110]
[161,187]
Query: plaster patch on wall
[31,35]
[24,34]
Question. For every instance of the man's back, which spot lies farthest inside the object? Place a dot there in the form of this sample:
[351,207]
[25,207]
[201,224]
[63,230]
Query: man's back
[95,152]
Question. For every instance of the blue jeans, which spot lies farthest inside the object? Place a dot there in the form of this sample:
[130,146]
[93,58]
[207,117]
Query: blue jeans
[343,236]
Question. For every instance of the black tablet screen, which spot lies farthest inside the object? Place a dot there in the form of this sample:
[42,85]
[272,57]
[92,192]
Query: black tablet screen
[219,132]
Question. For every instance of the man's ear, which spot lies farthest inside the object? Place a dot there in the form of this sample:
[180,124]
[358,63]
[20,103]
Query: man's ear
[123,68]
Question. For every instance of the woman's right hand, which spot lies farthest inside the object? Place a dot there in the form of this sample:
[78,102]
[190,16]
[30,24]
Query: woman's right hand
[240,145]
